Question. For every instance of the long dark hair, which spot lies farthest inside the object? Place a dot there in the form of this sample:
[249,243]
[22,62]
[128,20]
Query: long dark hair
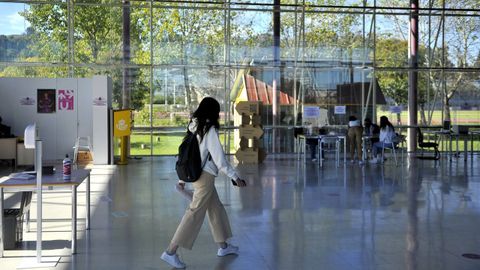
[384,123]
[207,115]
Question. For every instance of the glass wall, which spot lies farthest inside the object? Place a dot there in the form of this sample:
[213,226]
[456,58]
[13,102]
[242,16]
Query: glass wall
[165,56]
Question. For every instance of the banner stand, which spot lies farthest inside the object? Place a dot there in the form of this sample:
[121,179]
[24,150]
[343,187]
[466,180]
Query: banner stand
[38,261]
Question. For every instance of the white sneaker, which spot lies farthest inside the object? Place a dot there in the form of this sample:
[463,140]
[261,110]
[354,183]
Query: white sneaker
[352,161]
[361,162]
[374,160]
[230,249]
[173,260]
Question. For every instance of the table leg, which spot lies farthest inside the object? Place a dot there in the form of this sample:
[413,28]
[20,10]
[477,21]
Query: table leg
[304,150]
[74,219]
[297,147]
[456,146]
[364,149]
[471,146]
[87,225]
[320,152]
[345,151]
[337,153]
[450,150]
[1,222]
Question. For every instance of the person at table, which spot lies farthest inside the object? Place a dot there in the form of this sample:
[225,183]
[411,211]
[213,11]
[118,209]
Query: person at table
[4,130]
[355,131]
[371,129]
[387,135]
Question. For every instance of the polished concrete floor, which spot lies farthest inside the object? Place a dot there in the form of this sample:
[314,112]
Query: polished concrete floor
[421,214]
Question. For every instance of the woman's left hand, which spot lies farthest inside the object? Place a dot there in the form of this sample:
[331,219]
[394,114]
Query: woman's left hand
[239,182]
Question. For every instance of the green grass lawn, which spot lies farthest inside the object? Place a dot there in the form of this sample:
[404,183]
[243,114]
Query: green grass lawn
[167,144]
[458,117]
[162,144]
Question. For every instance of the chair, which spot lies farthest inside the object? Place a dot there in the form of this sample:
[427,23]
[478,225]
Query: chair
[20,215]
[297,131]
[332,144]
[422,145]
[393,146]
[82,144]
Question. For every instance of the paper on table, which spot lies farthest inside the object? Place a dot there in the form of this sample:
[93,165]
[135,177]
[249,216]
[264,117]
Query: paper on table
[21,176]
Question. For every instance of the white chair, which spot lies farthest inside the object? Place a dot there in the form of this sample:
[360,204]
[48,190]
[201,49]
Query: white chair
[393,146]
[82,144]
[332,144]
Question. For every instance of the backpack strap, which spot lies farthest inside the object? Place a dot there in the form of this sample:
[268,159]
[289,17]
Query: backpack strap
[208,155]
[205,162]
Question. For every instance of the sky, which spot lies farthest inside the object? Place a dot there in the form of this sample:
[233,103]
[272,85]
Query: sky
[11,22]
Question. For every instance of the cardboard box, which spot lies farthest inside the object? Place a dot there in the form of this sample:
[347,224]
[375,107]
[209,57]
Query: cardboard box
[84,157]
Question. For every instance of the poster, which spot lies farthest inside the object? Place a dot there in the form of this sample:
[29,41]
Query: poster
[65,100]
[340,109]
[121,122]
[45,100]
[311,112]
[396,109]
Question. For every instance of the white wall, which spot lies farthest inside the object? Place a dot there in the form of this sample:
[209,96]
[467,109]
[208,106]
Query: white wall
[60,129]
[100,137]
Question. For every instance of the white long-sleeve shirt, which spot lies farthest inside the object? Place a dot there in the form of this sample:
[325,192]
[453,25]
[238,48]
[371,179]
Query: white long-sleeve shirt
[211,144]
[387,134]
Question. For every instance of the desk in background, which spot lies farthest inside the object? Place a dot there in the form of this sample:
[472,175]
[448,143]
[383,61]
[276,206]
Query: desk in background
[472,134]
[332,137]
[446,137]
[56,181]
[301,145]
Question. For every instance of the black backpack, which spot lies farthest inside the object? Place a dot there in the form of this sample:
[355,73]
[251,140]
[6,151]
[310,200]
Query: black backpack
[189,165]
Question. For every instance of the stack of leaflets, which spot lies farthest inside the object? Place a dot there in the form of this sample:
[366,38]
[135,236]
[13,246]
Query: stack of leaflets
[22,176]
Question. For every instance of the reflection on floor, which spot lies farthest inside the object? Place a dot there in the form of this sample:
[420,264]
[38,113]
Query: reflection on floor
[419,215]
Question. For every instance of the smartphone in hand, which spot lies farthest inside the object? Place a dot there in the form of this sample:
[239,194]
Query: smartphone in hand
[242,183]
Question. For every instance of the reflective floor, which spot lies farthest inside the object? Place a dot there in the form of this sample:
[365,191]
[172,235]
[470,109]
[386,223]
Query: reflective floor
[421,214]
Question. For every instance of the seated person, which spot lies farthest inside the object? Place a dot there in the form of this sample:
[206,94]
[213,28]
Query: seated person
[4,130]
[371,129]
[387,136]
[313,143]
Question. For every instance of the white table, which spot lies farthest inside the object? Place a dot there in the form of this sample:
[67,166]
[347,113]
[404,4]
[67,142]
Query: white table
[444,138]
[54,180]
[333,137]
[472,134]
[302,145]
[447,134]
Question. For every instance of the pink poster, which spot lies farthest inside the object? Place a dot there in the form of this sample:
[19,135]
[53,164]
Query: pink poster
[65,100]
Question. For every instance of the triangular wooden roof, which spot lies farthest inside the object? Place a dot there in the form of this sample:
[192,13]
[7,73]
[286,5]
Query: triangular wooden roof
[258,90]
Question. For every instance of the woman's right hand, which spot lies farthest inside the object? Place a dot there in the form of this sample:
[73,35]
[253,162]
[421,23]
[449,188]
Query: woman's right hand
[181,184]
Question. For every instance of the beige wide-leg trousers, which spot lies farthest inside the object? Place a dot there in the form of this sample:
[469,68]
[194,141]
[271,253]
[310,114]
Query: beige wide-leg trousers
[355,141]
[205,200]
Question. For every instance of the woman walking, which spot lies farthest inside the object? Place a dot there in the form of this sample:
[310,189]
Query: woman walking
[205,198]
